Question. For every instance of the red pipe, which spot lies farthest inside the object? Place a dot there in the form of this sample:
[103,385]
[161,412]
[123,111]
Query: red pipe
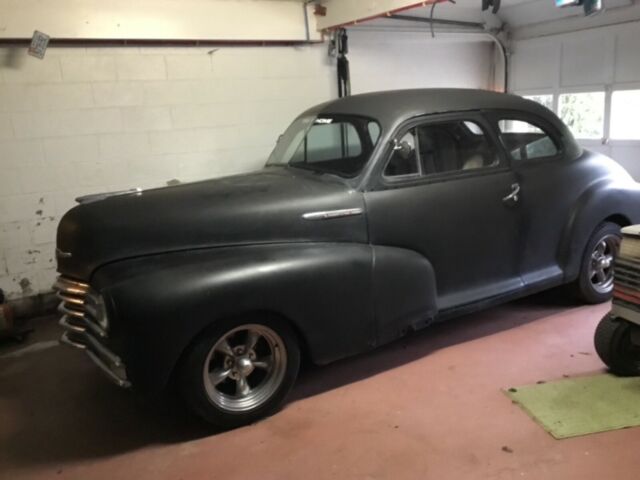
[61,42]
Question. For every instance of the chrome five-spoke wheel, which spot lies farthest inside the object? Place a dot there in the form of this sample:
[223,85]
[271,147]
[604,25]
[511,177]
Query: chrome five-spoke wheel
[595,280]
[240,370]
[601,267]
[244,368]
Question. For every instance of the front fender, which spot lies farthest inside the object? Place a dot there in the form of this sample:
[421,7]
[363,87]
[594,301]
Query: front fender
[616,199]
[404,286]
[161,303]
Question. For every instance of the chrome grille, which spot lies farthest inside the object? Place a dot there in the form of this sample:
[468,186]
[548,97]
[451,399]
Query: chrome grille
[626,287]
[627,274]
[630,248]
[79,306]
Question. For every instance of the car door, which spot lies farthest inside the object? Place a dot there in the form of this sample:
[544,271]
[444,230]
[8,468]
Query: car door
[444,189]
[550,186]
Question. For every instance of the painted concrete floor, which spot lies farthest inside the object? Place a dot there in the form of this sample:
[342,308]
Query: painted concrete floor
[426,407]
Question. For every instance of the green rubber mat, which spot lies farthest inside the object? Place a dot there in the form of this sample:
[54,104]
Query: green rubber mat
[583,405]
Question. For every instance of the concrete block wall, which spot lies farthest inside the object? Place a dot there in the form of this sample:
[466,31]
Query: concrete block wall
[85,120]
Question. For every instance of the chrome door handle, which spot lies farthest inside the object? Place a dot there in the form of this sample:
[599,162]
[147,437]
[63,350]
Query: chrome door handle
[514,196]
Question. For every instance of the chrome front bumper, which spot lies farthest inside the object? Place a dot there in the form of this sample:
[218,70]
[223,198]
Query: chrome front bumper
[81,331]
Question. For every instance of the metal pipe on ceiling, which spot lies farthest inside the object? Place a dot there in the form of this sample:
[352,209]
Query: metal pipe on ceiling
[436,21]
[307,31]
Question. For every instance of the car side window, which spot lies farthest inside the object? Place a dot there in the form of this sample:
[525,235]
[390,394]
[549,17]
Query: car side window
[437,148]
[374,131]
[526,141]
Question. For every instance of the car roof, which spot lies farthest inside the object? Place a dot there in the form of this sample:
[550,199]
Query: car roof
[390,108]
[426,101]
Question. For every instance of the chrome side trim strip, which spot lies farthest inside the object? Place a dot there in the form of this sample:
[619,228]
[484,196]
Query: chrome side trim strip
[329,214]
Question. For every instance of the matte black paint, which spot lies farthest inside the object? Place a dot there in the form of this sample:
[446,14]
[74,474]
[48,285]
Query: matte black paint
[260,207]
[323,288]
[172,261]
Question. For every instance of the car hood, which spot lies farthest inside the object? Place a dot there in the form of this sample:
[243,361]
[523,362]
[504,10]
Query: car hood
[262,207]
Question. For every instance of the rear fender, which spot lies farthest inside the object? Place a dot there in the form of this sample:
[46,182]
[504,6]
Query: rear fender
[602,200]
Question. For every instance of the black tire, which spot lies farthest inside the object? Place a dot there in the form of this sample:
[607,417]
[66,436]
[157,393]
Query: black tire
[193,386]
[586,289]
[613,344]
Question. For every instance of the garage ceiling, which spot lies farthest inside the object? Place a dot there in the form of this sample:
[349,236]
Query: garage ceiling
[515,13]
[518,13]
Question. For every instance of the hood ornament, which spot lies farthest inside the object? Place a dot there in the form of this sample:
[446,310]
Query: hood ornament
[63,254]
[94,197]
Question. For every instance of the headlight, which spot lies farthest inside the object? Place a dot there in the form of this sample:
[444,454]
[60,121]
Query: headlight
[97,310]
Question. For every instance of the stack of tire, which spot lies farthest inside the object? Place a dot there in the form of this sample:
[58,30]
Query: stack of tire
[617,338]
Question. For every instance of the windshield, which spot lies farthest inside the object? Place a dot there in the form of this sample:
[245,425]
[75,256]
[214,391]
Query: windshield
[337,144]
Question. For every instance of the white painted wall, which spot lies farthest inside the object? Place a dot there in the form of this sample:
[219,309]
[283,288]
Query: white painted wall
[157,19]
[85,120]
[597,59]
[387,60]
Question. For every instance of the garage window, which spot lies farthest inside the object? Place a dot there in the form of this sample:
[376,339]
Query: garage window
[526,141]
[544,100]
[583,113]
[625,105]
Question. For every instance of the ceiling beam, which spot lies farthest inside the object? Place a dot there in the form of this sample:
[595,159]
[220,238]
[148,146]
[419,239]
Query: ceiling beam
[343,13]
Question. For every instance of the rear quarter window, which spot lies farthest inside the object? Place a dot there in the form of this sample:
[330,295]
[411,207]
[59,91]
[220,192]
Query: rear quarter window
[525,140]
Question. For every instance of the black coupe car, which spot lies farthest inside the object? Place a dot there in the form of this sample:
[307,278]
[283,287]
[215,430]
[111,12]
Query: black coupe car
[375,215]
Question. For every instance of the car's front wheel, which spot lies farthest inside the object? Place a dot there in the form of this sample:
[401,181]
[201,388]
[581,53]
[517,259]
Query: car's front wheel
[595,282]
[240,370]
[616,346]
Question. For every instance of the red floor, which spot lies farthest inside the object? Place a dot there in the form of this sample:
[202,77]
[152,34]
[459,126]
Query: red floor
[428,407]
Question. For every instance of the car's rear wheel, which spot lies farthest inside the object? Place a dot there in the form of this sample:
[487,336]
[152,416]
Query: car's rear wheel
[595,283]
[240,370]
[615,346]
